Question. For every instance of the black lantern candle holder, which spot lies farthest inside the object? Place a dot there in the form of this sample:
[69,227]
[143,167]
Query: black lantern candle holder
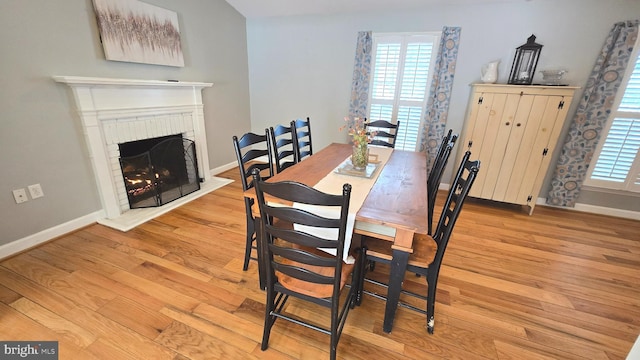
[525,62]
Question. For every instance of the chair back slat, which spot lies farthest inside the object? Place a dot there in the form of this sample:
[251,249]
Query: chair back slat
[304,239]
[301,217]
[303,274]
[295,191]
[301,256]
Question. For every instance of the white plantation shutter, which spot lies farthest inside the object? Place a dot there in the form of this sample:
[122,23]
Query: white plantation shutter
[410,118]
[631,99]
[619,151]
[385,71]
[400,82]
[617,164]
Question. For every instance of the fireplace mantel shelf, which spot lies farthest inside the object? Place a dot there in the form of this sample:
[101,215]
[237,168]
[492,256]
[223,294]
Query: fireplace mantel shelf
[90,81]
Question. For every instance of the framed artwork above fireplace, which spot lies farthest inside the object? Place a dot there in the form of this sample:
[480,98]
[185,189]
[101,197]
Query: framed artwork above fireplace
[134,31]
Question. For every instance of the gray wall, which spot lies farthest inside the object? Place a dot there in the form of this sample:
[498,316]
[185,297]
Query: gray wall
[40,136]
[302,66]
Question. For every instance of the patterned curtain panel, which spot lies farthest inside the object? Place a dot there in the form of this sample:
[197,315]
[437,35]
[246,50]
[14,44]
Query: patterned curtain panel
[592,114]
[361,75]
[435,115]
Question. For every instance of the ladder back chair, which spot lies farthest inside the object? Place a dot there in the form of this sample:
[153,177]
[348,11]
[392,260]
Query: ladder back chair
[301,130]
[386,132]
[293,263]
[428,250]
[250,149]
[437,170]
[284,153]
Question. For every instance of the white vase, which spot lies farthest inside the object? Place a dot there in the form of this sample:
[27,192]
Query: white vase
[490,72]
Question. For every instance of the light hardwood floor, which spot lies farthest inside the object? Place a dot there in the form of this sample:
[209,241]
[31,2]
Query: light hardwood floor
[555,285]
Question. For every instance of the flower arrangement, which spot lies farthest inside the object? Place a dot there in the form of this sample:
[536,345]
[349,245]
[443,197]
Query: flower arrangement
[357,130]
[360,138]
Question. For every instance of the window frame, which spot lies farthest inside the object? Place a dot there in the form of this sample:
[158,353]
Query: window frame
[628,186]
[403,38]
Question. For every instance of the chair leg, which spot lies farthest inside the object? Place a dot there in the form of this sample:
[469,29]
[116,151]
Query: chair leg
[357,279]
[431,301]
[334,343]
[362,271]
[332,354]
[251,232]
[268,319]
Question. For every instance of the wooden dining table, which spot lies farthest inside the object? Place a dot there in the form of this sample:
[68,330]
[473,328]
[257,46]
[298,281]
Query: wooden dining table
[395,208]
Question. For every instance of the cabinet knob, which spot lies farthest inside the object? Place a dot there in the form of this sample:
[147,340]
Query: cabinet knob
[507,123]
[518,124]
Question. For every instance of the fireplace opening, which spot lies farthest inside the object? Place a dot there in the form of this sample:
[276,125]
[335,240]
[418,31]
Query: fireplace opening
[158,170]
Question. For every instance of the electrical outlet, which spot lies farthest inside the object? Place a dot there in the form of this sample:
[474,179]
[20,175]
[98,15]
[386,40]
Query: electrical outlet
[36,191]
[20,195]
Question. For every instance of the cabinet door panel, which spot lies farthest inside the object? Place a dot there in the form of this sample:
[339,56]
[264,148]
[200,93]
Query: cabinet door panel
[492,161]
[511,152]
[550,129]
[480,123]
[483,150]
[533,143]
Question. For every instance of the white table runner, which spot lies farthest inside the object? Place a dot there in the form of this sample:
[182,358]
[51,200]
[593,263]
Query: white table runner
[332,183]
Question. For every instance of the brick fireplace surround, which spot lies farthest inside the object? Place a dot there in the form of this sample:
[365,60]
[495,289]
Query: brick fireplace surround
[114,111]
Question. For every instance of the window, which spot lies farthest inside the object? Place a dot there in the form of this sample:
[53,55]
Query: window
[400,82]
[616,163]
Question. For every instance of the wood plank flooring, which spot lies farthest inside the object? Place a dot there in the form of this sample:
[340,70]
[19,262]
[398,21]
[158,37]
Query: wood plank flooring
[556,285]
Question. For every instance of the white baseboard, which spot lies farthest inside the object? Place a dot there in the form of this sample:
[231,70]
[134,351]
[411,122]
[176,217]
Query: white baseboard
[43,236]
[600,210]
[593,209]
[223,168]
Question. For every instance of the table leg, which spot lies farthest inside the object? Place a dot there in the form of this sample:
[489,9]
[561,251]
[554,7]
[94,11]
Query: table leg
[396,277]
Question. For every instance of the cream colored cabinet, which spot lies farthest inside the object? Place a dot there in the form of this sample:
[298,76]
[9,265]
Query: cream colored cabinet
[513,131]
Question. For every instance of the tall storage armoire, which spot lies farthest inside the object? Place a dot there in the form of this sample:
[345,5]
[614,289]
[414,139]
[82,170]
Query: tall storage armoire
[513,131]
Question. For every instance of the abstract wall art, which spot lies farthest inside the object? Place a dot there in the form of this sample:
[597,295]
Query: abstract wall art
[134,31]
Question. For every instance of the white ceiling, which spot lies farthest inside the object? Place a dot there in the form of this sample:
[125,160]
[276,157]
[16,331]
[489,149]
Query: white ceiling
[266,8]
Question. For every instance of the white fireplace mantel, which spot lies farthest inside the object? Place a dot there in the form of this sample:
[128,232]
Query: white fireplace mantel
[113,111]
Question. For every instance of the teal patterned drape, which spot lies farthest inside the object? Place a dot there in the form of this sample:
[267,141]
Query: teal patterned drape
[435,115]
[592,114]
[361,75]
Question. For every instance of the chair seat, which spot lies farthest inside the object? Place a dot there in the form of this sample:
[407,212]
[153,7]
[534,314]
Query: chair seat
[311,289]
[424,250]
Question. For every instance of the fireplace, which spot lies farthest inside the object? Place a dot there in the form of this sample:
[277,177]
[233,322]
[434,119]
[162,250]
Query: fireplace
[159,170]
[119,111]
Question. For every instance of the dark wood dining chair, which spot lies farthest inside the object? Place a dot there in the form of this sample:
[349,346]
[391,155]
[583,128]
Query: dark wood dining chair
[282,147]
[251,152]
[385,132]
[437,170]
[428,251]
[301,130]
[293,264]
